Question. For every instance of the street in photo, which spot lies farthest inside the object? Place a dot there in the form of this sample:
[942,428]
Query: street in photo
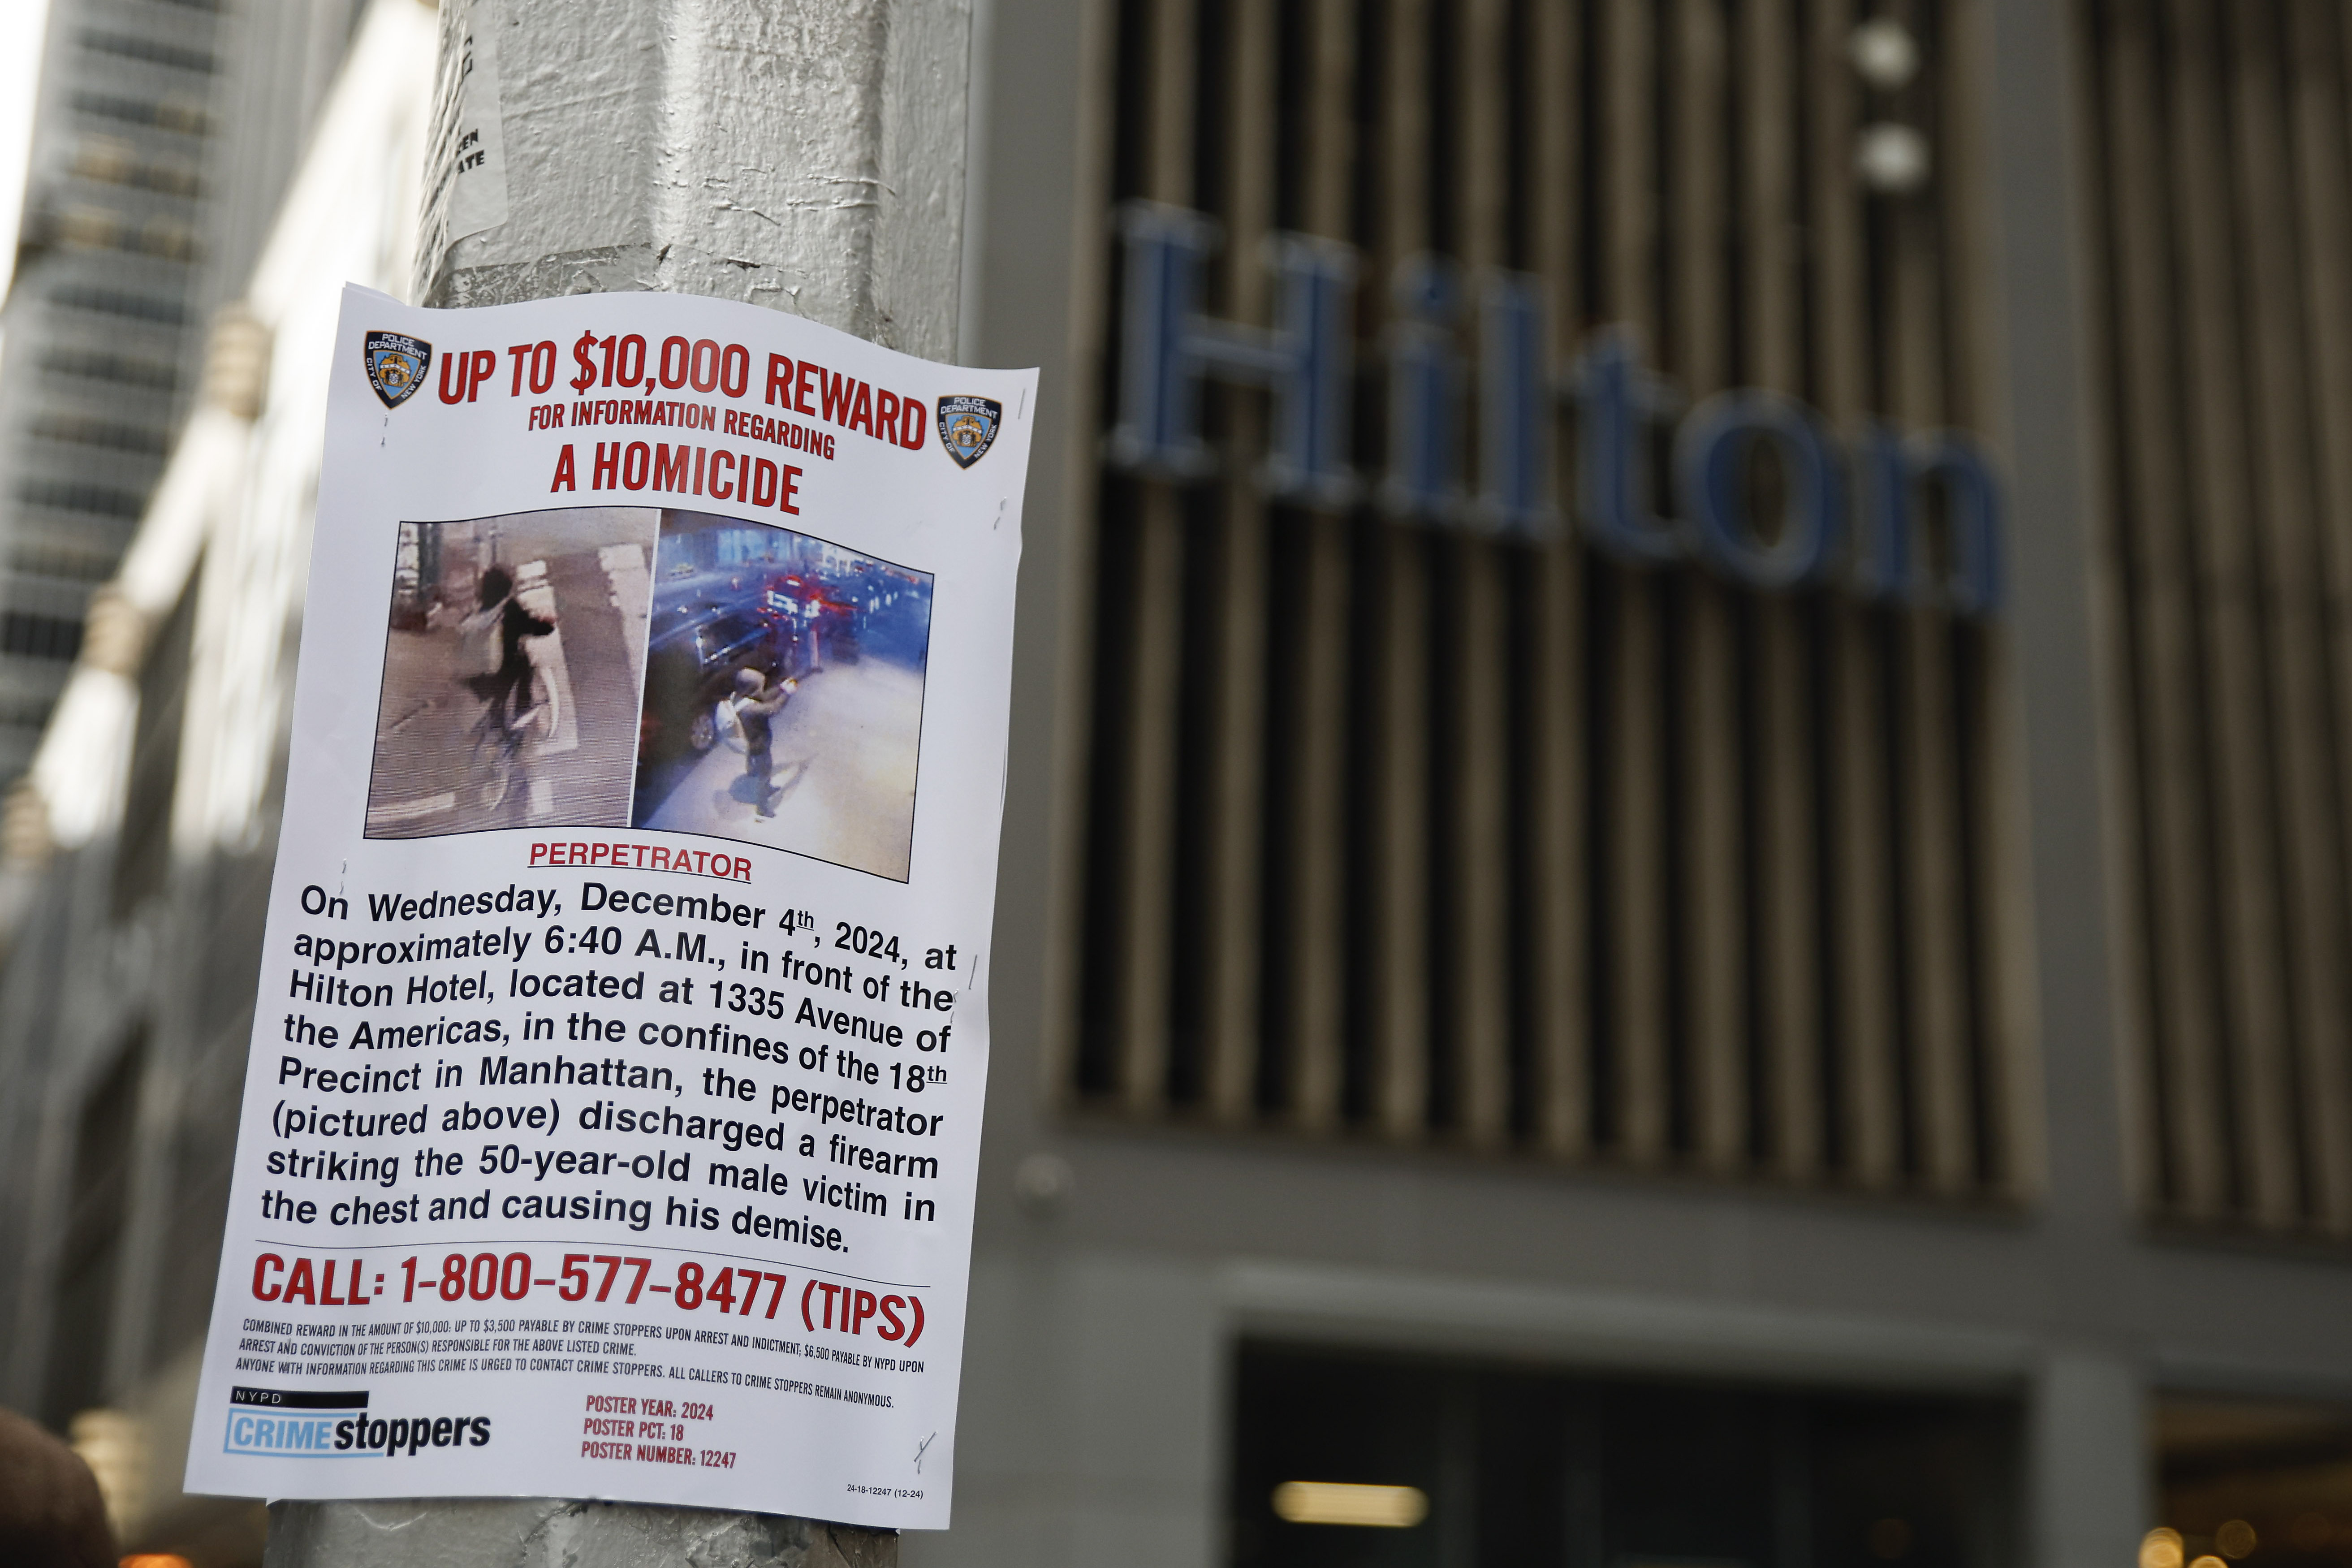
[783,693]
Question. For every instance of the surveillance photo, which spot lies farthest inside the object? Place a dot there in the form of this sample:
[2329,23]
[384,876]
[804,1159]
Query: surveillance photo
[511,673]
[783,693]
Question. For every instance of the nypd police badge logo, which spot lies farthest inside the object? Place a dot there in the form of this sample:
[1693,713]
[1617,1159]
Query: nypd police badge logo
[396,365]
[968,428]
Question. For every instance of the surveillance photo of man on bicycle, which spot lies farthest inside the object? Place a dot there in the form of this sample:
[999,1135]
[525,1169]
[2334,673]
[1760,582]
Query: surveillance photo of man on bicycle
[673,671]
[513,665]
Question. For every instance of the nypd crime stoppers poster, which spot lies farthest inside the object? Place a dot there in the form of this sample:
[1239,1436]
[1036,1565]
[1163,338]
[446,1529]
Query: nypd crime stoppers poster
[611,1122]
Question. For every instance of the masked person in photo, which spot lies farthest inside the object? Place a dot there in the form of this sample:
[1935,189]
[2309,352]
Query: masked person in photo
[755,703]
[506,688]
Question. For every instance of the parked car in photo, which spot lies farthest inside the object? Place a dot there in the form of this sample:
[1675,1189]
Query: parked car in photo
[687,668]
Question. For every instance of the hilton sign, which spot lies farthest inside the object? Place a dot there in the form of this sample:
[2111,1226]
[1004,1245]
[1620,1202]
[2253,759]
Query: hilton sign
[1862,511]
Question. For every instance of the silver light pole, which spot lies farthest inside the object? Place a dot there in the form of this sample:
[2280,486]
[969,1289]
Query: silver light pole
[806,155]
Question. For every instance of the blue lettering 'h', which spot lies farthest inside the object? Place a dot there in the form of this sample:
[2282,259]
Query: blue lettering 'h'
[1167,347]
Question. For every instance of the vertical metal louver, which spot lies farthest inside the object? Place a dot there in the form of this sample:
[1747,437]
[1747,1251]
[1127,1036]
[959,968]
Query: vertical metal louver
[2219,197]
[1406,824]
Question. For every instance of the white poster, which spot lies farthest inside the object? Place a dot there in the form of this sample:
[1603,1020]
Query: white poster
[610,1124]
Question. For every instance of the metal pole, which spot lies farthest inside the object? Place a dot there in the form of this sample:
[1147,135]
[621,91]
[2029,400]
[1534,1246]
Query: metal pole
[807,155]
[802,154]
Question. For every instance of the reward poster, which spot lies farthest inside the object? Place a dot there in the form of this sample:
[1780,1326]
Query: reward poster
[613,1108]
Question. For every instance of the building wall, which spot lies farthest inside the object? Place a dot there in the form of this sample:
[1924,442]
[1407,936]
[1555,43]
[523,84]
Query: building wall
[1106,1321]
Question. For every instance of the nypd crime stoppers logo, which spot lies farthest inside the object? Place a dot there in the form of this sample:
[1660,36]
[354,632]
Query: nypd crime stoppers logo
[291,1424]
[396,365]
[313,1424]
[968,428]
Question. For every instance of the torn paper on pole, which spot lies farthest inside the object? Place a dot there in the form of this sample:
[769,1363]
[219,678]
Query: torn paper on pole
[465,158]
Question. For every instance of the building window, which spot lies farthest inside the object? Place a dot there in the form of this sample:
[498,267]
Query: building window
[39,637]
[1343,1460]
[2268,1480]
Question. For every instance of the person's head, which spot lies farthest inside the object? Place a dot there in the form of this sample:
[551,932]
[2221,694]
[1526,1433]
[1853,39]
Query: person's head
[750,681]
[496,585]
[50,1510]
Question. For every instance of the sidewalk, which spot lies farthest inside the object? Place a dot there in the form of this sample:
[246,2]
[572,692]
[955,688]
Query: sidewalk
[844,774]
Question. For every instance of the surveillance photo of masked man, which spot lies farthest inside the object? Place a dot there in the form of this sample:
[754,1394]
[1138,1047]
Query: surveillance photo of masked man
[756,701]
[805,660]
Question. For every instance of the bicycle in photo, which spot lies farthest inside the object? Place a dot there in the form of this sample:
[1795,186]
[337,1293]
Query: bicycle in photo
[499,767]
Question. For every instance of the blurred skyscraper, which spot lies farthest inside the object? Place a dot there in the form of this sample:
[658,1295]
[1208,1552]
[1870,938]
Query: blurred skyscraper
[164,134]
